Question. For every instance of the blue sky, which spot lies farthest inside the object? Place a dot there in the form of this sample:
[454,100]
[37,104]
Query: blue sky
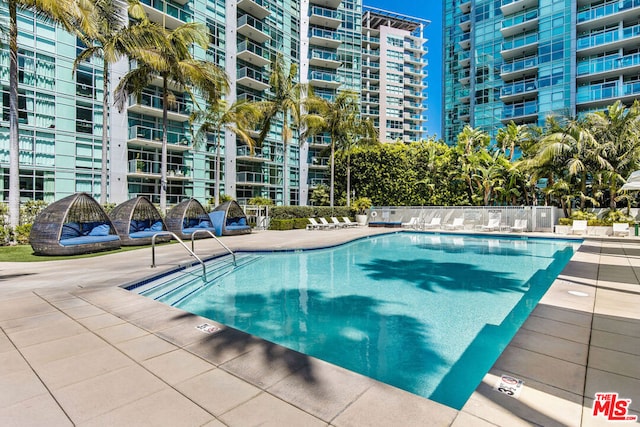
[431,10]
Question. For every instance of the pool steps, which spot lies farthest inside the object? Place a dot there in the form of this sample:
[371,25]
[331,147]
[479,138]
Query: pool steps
[175,288]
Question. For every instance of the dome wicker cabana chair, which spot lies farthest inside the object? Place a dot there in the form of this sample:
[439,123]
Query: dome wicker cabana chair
[137,220]
[187,217]
[229,219]
[74,225]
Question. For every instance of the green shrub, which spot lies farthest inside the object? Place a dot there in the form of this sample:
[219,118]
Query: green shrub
[300,223]
[30,209]
[260,201]
[108,207]
[580,215]
[617,216]
[290,212]
[281,224]
[22,234]
[565,221]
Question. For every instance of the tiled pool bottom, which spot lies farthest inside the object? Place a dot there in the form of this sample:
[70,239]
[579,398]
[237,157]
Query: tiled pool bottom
[394,318]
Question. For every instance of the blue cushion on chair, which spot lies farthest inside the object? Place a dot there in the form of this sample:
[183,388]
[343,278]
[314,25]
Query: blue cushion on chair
[242,221]
[157,226]
[100,230]
[70,230]
[204,224]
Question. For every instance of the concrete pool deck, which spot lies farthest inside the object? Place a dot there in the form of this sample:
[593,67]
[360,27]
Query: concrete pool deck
[76,349]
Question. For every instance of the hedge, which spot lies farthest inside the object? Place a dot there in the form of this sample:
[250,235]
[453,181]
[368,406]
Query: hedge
[291,212]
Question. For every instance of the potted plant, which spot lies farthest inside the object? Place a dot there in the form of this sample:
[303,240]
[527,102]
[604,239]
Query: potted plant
[361,204]
[139,164]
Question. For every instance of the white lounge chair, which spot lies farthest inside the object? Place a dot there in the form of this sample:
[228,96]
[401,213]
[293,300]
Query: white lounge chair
[457,224]
[326,224]
[621,229]
[349,222]
[520,225]
[337,223]
[579,226]
[435,223]
[413,222]
[313,224]
[493,224]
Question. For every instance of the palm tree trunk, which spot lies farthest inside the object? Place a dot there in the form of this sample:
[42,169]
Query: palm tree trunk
[163,158]
[216,185]
[105,127]
[348,179]
[285,177]
[333,171]
[14,147]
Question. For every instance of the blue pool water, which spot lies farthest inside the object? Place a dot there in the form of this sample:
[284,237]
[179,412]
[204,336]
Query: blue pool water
[426,313]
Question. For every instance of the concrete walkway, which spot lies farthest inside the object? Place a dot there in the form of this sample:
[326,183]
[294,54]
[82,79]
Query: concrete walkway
[76,349]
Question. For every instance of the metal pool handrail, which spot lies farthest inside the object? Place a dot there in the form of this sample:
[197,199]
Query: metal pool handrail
[193,235]
[164,233]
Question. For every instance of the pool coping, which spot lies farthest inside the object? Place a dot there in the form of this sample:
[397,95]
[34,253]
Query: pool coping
[556,377]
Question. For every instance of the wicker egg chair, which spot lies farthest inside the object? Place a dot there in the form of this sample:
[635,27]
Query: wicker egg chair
[137,220]
[187,217]
[74,225]
[229,219]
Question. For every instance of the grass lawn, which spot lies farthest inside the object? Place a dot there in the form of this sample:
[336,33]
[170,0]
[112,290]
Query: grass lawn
[24,253]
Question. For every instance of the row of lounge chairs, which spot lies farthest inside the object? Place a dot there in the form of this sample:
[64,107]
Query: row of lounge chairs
[493,224]
[326,225]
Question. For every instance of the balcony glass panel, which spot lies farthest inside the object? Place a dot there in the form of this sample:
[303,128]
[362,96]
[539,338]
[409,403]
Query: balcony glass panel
[607,63]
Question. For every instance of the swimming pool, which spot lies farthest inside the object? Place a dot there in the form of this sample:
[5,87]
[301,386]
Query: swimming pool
[424,312]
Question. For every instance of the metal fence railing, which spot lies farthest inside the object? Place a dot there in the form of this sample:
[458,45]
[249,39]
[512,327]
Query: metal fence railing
[539,218]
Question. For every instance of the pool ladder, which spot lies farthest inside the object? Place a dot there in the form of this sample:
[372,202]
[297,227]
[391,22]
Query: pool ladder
[191,251]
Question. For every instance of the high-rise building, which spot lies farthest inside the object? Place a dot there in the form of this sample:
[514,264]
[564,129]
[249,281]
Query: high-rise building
[60,111]
[394,74]
[524,60]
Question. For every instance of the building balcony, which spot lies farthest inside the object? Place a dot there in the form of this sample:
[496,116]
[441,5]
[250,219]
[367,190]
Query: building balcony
[324,79]
[370,100]
[371,88]
[524,45]
[333,4]
[519,23]
[321,140]
[319,162]
[519,90]
[412,59]
[522,112]
[324,17]
[318,182]
[509,7]
[374,53]
[606,14]
[465,7]
[465,41]
[412,105]
[604,94]
[249,97]
[408,93]
[252,28]
[166,13]
[252,78]
[416,48]
[519,68]
[324,38]
[465,23]
[370,65]
[143,136]
[243,153]
[252,53]
[151,105]
[324,59]
[414,83]
[608,40]
[151,169]
[370,111]
[464,59]
[257,8]
[257,179]
[415,71]
[608,66]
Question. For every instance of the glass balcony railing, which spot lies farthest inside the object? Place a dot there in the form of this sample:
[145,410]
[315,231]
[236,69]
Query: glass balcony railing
[371,39]
[519,18]
[325,34]
[606,9]
[257,178]
[248,45]
[520,109]
[252,74]
[326,13]
[151,134]
[519,65]
[371,64]
[170,8]
[607,63]
[610,36]
[326,77]
[324,55]
[519,87]
[155,101]
[251,21]
[519,41]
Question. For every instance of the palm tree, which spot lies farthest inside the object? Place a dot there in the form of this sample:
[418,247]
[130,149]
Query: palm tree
[72,15]
[287,102]
[238,117]
[510,137]
[341,120]
[618,132]
[173,62]
[114,39]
